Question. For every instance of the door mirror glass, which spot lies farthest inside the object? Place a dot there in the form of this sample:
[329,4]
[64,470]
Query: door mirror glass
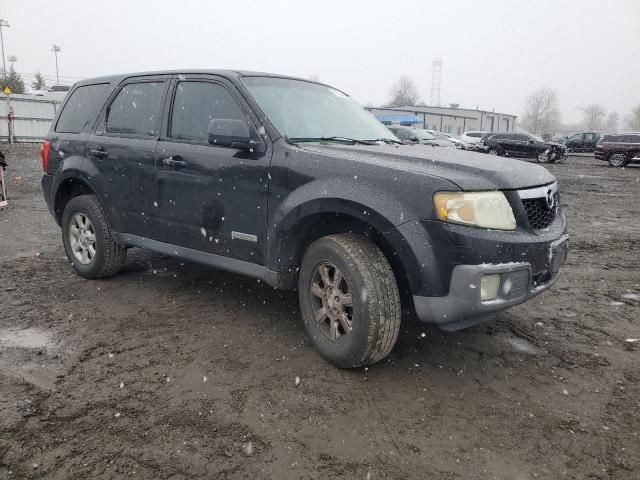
[228,132]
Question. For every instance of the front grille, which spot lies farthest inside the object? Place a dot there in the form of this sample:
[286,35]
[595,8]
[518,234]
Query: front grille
[539,215]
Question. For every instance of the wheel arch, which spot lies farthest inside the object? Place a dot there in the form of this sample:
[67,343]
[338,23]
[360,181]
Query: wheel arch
[310,223]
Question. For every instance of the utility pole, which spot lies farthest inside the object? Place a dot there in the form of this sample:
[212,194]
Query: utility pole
[3,23]
[55,49]
[436,79]
[12,59]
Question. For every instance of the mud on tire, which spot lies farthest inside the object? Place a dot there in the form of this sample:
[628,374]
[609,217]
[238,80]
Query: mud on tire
[348,278]
[86,212]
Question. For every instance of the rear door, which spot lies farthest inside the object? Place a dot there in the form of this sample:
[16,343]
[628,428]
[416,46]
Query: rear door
[210,198]
[122,151]
[69,134]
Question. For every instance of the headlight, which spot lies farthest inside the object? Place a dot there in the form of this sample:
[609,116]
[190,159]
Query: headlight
[480,209]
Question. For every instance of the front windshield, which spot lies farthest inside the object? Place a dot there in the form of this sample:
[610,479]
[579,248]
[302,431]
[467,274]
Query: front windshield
[300,109]
[536,137]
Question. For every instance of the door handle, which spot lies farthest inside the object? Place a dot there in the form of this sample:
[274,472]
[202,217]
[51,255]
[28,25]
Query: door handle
[99,152]
[174,162]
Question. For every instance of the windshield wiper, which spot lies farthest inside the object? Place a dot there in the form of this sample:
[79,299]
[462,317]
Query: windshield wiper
[345,140]
[387,140]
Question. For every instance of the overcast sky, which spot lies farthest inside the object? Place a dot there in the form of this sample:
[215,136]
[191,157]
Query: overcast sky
[494,52]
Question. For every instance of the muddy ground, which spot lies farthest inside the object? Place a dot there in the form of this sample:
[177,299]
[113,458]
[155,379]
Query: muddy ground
[172,370]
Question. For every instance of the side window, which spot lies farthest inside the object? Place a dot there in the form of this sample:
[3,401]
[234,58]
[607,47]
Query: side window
[402,134]
[522,138]
[81,107]
[195,105]
[135,109]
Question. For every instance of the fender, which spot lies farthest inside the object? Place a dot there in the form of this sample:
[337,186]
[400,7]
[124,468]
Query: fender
[362,201]
[78,170]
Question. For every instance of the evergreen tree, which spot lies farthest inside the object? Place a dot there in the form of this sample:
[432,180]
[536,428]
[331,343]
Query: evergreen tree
[39,82]
[13,80]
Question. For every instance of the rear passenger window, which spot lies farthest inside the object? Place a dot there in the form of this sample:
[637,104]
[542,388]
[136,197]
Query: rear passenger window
[81,107]
[135,109]
[195,105]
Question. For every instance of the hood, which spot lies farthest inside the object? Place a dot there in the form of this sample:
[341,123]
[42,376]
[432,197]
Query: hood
[468,170]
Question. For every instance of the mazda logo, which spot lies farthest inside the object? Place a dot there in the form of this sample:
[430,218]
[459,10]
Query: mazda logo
[551,200]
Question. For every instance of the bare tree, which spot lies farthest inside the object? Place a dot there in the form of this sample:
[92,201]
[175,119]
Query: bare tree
[541,113]
[635,119]
[592,116]
[612,123]
[404,92]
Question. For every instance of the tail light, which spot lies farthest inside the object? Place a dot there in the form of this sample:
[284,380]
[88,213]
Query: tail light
[45,149]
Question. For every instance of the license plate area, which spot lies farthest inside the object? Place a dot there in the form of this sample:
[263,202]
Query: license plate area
[557,256]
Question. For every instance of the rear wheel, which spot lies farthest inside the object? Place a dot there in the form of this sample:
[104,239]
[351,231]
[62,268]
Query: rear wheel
[618,160]
[88,239]
[349,300]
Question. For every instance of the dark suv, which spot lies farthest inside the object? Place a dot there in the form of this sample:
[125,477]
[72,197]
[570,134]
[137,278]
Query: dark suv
[582,142]
[526,146]
[292,182]
[619,149]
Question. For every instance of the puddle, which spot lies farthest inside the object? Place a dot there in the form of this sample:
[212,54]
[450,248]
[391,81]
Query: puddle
[27,338]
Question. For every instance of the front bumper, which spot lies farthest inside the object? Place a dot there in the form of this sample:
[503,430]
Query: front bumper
[463,306]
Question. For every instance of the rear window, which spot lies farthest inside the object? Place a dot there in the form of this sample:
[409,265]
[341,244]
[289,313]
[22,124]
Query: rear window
[81,107]
[136,109]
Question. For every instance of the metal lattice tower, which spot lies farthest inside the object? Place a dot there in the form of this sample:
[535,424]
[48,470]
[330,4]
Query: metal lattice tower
[436,78]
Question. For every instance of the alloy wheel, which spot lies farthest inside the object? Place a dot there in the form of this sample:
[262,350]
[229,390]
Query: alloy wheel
[82,238]
[331,301]
[617,160]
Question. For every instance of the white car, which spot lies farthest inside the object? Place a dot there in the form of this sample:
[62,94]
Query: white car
[474,136]
[457,141]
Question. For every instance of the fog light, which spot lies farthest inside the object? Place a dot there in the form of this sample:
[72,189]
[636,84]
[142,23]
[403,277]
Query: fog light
[489,286]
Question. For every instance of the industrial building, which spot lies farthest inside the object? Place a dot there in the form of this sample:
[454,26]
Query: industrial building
[452,119]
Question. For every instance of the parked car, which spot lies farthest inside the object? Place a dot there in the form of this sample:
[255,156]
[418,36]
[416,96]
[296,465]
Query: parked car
[59,88]
[619,149]
[418,135]
[474,136]
[582,142]
[525,146]
[294,183]
[457,142]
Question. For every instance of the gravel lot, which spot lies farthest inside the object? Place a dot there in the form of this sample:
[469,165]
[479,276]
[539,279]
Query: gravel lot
[172,370]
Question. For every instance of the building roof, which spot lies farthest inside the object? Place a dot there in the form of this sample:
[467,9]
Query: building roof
[401,119]
[426,109]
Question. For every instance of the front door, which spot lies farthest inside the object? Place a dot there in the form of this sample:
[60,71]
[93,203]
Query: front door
[209,198]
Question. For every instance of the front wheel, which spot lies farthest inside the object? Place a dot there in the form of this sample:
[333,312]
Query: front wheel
[618,160]
[544,157]
[88,239]
[349,300]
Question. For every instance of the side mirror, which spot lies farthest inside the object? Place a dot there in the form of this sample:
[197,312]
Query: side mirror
[532,141]
[227,132]
[414,139]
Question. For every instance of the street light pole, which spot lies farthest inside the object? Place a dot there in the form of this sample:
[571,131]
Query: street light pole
[3,23]
[55,49]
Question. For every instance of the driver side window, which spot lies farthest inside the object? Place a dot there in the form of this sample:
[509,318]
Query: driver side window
[197,103]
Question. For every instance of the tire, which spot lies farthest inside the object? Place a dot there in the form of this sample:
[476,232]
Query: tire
[544,157]
[618,160]
[369,282]
[93,234]
[494,151]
